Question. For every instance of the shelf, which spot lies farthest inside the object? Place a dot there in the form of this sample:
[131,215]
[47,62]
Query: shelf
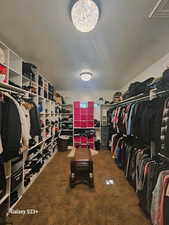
[13,206]
[19,90]
[3,64]
[37,175]
[66,122]
[84,128]
[4,198]
[13,72]
[66,113]
[12,88]
[34,155]
[25,78]
[39,143]
[67,105]
[67,129]
[6,54]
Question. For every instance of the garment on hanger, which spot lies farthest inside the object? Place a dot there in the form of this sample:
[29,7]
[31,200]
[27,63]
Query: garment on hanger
[35,128]
[10,129]
[25,124]
[2,179]
[165,130]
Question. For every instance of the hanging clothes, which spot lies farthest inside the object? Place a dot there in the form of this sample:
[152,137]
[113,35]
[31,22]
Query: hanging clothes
[165,130]
[2,179]
[25,124]
[35,128]
[10,129]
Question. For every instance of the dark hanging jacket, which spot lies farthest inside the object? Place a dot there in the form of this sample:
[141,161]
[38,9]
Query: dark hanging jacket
[35,122]
[2,179]
[10,129]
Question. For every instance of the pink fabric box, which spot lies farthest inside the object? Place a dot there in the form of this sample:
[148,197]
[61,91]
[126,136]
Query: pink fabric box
[77,139]
[76,111]
[92,146]
[83,124]
[90,110]
[90,104]
[77,123]
[83,139]
[76,116]
[90,117]
[83,111]
[83,117]
[91,139]
[90,124]
[76,104]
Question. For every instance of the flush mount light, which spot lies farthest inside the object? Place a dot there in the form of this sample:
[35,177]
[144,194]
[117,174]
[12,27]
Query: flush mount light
[85,15]
[86,76]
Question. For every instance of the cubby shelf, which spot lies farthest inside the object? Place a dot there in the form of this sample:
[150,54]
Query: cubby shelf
[41,94]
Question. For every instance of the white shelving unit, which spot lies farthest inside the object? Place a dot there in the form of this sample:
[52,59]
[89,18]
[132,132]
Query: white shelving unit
[15,81]
[69,122]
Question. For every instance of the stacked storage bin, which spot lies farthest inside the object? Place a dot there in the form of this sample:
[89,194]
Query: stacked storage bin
[83,120]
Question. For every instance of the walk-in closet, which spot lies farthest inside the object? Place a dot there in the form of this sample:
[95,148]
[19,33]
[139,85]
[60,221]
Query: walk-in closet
[84,112]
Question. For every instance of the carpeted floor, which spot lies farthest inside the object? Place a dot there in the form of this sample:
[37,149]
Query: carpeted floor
[57,204]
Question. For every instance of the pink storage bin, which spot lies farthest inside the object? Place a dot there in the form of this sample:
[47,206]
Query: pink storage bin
[77,123]
[77,145]
[90,124]
[83,111]
[83,117]
[76,116]
[77,139]
[83,124]
[91,139]
[90,104]
[90,110]
[76,104]
[83,139]
[92,146]
[90,117]
[77,111]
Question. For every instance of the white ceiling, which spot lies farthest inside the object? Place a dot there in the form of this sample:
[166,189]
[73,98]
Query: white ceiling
[123,44]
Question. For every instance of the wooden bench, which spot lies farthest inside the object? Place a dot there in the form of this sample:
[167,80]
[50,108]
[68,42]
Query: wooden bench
[82,168]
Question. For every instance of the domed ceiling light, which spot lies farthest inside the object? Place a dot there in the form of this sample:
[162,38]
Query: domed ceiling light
[85,15]
[86,76]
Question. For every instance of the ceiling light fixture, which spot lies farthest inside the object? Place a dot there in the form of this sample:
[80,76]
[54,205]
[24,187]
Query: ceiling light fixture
[85,15]
[86,76]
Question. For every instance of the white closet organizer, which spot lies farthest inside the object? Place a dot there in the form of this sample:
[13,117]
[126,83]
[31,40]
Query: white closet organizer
[66,119]
[13,65]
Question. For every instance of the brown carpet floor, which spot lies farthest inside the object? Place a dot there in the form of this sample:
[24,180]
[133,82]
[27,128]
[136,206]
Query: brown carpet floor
[57,204]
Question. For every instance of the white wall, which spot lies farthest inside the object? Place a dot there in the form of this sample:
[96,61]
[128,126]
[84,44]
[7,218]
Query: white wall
[154,70]
[88,95]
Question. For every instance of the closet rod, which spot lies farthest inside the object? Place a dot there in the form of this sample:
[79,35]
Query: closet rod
[139,99]
[10,91]
[146,98]
[161,92]
[163,156]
